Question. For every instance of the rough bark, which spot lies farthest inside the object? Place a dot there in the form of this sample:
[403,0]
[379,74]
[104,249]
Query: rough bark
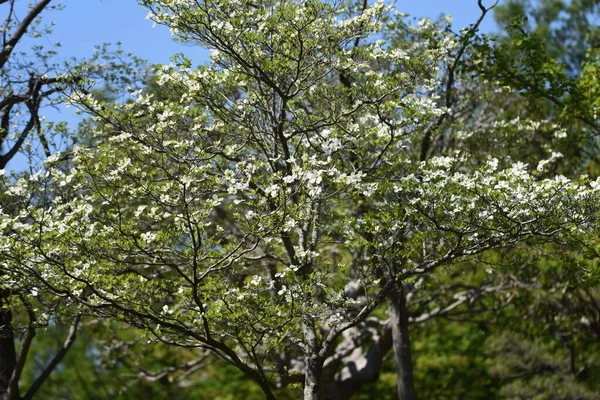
[399,320]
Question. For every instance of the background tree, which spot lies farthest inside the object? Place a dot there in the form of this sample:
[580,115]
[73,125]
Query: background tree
[563,288]
[29,83]
[34,79]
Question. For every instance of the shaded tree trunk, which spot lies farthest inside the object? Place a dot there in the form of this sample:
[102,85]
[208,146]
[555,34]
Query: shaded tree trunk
[398,313]
[8,356]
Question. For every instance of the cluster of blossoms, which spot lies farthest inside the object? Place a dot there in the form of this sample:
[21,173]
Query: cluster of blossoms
[491,205]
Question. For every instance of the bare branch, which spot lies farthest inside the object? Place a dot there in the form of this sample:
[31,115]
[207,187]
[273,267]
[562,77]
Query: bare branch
[55,360]
[20,31]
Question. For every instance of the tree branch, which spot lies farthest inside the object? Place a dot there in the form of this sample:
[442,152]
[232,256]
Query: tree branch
[57,358]
[190,365]
[20,31]
[426,143]
[13,386]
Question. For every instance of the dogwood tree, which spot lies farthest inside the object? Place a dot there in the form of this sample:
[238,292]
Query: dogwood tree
[286,195]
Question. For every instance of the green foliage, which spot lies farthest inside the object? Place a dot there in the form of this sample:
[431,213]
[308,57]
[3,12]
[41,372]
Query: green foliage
[450,362]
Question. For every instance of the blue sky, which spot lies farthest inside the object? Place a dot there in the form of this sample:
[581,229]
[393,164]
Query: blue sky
[83,24]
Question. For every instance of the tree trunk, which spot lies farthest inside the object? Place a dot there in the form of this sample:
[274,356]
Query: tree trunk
[8,355]
[312,378]
[398,313]
[313,363]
